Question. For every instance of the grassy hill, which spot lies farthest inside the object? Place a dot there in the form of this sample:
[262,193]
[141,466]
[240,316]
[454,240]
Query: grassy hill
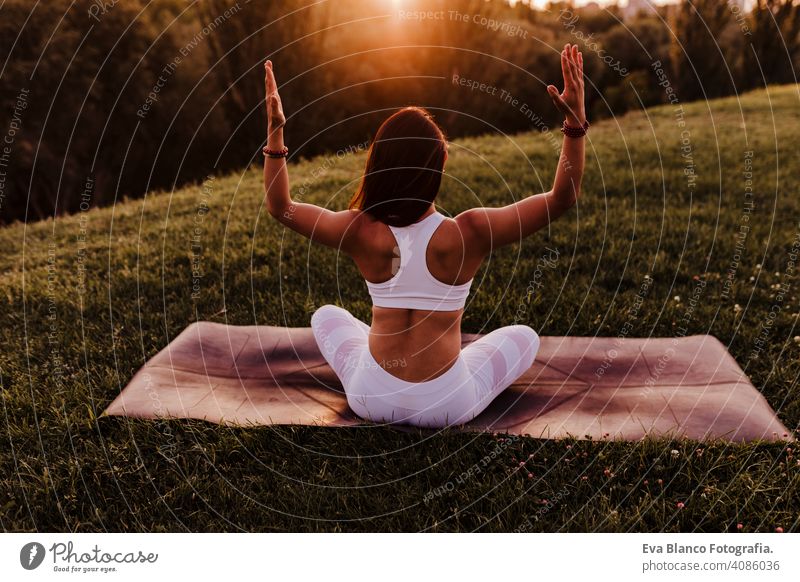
[87,299]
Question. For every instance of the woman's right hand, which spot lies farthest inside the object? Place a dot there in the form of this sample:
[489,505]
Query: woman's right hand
[570,102]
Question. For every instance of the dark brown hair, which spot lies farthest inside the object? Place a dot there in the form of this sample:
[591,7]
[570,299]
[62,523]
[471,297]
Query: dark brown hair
[404,168]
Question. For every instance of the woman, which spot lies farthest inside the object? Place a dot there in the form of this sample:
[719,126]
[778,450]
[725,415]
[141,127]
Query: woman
[408,366]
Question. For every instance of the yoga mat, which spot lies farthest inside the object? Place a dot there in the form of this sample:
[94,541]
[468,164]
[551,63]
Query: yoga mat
[584,387]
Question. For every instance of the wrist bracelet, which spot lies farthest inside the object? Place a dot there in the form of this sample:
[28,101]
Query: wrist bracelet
[281,153]
[572,131]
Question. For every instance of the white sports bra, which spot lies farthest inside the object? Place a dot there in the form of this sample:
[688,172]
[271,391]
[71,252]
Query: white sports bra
[413,286]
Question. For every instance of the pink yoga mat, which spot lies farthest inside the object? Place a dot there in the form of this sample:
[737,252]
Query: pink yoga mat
[585,387]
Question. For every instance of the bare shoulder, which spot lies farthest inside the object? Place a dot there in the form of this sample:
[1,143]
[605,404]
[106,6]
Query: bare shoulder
[452,247]
[472,222]
[472,226]
[369,235]
[455,236]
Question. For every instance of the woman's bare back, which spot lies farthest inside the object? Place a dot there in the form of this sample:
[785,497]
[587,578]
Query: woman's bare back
[412,344]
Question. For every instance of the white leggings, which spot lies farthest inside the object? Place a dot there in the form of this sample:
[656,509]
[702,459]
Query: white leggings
[483,370]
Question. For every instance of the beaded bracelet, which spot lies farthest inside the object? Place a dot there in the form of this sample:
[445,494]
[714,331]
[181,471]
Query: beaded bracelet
[572,131]
[281,153]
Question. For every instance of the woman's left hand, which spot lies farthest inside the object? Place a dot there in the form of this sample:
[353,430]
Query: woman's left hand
[275,117]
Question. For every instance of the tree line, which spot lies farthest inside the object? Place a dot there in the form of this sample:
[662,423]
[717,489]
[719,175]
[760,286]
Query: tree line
[104,99]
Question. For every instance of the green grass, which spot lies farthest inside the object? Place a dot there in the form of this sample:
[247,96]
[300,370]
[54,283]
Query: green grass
[67,353]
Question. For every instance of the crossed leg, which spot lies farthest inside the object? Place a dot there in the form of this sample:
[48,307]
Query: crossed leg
[494,362]
[497,359]
[341,338]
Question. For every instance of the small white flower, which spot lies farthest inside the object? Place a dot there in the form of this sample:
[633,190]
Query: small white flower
[758,266]
[677,298]
[675,453]
[737,308]
[797,339]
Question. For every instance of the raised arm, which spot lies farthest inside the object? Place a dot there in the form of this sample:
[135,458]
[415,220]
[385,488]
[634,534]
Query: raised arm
[488,228]
[334,229]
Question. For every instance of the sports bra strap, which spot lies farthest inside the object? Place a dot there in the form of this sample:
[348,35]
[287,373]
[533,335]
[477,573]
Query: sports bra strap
[423,230]
[413,285]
